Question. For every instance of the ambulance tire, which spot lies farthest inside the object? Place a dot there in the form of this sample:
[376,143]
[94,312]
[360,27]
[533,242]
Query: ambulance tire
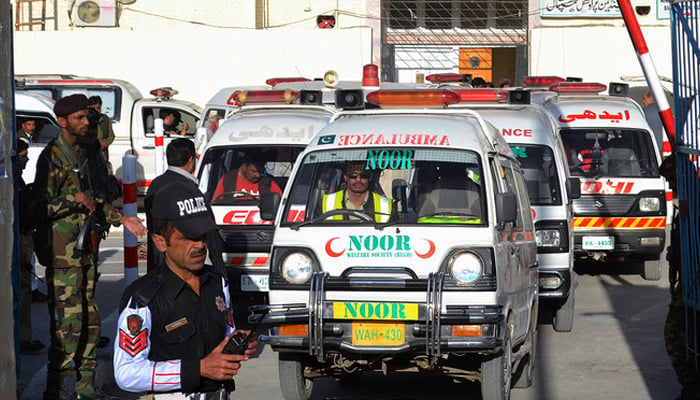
[563,320]
[293,384]
[497,371]
[652,270]
[527,373]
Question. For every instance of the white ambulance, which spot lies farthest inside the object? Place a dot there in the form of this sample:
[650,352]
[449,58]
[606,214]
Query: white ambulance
[532,135]
[436,268]
[132,115]
[622,212]
[265,128]
[39,108]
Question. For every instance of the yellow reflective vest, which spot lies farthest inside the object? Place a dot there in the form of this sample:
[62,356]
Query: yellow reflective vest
[380,206]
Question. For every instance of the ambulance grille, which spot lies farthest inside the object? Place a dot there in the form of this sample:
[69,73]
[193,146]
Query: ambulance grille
[603,205]
[239,238]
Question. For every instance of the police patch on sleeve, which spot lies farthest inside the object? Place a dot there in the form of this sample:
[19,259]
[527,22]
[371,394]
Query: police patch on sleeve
[136,339]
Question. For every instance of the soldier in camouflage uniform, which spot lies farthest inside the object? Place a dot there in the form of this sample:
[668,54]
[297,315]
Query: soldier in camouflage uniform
[674,327]
[64,195]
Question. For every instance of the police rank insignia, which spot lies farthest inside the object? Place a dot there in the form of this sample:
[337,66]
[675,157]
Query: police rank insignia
[220,304]
[136,340]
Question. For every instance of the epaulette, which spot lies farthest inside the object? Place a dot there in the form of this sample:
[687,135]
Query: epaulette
[148,290]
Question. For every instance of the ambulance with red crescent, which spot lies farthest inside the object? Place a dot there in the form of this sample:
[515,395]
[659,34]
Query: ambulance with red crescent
[532,134]
[436,269]
[622,214]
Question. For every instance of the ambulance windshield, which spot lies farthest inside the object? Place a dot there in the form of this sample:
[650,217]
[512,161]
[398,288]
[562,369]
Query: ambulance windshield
[399,185]
[610,152]
[261,168]
[540,173]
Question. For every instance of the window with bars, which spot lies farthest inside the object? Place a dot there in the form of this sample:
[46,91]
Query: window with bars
[440,14]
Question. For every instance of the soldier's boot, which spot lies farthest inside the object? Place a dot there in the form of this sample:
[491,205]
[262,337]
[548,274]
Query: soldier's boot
[56,388]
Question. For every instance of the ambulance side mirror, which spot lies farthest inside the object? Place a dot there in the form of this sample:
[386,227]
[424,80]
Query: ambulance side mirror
[269,203]
[506,207]
[573,188]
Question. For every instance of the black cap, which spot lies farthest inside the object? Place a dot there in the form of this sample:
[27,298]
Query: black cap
[184,206]
[70,104]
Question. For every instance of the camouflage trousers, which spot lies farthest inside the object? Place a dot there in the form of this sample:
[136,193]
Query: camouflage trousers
[674,336]
[74,327]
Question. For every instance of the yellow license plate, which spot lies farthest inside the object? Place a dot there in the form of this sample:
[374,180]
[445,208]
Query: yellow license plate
[378,334]
[375,311]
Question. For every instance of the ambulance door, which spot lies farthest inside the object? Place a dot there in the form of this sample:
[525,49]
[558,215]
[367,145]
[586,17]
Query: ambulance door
[522,269]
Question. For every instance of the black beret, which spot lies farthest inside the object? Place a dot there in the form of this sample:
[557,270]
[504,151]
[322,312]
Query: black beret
[70,104]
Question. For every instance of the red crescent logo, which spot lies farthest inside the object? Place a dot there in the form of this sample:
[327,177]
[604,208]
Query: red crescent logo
[330,251]
[430,251]
[534,214]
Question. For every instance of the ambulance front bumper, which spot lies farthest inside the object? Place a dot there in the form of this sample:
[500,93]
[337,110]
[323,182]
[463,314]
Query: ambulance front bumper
[647,243]
[426,330]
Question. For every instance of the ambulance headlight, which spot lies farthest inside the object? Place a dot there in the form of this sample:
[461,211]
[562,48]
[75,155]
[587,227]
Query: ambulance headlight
[649,204]
[548,237]
[466,267]
[296,268]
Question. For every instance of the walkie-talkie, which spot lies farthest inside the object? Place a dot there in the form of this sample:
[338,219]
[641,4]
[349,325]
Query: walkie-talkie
[238,343]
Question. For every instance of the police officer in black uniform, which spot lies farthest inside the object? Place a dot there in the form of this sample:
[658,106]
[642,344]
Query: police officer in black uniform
[176,320]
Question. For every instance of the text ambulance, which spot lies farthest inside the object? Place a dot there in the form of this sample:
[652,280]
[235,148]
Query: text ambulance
[532,135]
[622,212]
[436,268]
[271,134]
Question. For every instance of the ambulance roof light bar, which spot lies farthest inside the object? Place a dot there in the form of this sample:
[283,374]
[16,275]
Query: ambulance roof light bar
[163,93]
[481,95]
[266,96]
[275,81]
[449,77]
[577,87]
[413,98]
[541,81]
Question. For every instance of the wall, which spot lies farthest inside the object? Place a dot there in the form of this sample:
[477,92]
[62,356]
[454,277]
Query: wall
[602,54]
[196,62]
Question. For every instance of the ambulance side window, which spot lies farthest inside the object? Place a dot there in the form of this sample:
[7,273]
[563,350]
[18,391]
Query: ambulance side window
[515,185]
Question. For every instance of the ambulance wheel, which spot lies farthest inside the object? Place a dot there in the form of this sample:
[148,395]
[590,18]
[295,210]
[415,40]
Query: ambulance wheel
[652,270]
[293,384]
[527,373]
[564,315]
[496,372]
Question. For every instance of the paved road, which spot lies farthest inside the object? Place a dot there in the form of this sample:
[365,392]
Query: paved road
[616,350]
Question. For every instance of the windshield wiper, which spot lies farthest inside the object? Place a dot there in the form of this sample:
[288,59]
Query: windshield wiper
[344,211]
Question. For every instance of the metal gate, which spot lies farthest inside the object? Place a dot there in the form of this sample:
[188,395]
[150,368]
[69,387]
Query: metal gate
[686,69]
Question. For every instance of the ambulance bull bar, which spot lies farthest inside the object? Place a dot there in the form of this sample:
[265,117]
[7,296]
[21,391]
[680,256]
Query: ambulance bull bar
[313,315]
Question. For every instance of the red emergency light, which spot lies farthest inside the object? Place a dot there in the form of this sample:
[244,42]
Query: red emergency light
[275,81]
[163,92]
[266,96]
[577,87]
[445,78]
[481,95]
[370,75]
[541,81]
[413,98]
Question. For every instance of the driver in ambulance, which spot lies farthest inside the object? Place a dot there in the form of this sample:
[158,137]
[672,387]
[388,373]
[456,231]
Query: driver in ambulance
[357,195]
[249,178]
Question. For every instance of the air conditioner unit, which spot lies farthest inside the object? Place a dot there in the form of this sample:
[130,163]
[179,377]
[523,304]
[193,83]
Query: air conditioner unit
[95,13]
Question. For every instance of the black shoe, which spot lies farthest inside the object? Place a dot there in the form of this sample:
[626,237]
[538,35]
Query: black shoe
[104,342]
[31,347]
[38,296]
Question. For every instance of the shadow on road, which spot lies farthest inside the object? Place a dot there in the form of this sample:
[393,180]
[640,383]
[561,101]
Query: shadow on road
[640,308]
